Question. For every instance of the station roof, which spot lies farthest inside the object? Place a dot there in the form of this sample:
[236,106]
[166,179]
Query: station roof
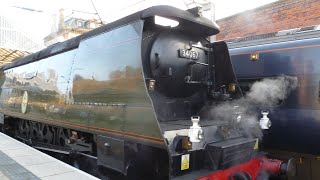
[9,55]
[14,43]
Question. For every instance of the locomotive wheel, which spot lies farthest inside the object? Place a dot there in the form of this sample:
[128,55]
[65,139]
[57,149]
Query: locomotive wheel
[45,135]
[39,131]
[23,128]
[33,131]
[63,134]
[54,135]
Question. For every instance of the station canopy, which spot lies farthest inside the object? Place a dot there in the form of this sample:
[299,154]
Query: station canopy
[9,55]
[14,43]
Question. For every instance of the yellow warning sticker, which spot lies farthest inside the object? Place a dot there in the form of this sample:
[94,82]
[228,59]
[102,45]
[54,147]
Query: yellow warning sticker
[185,159]
[256,146]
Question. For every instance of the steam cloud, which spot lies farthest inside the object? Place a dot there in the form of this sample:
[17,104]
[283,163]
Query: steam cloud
[265,93]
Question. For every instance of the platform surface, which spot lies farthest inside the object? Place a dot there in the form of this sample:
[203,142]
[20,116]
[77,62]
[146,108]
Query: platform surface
[19,161]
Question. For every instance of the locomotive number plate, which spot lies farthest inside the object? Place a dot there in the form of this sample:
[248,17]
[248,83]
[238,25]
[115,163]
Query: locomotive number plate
[184,53]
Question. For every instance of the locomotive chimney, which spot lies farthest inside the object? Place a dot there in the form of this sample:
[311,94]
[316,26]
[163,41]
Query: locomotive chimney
[61,19]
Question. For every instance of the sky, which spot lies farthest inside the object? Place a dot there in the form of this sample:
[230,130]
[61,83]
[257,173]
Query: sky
[39,24]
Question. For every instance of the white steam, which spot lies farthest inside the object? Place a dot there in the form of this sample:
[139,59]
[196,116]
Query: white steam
[269,92]
[266,93]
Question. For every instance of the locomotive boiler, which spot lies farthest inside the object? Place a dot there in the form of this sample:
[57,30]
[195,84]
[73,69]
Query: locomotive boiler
[135,94]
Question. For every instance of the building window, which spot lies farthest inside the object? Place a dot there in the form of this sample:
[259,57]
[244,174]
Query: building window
[92,25]
[80,24]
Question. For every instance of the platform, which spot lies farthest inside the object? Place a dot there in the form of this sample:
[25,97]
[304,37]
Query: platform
[19,161]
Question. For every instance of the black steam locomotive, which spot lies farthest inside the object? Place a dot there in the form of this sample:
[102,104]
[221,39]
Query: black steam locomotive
[135,94]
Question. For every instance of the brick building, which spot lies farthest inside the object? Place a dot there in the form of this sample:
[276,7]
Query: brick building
[276,16]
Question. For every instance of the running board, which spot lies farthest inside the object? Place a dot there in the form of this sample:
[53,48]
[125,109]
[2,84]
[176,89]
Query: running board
[65,152]
[53,148]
